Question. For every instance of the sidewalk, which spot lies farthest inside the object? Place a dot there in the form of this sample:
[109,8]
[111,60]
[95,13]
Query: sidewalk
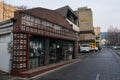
[5,76]
[33,72]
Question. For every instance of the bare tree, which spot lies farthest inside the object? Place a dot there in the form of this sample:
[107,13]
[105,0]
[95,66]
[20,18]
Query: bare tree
[23,7]
[113,36]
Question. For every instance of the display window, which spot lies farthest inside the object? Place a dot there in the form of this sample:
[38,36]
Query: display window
[36,52]
[60,50]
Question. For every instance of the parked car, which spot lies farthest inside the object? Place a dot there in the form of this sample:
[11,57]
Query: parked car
[85,48]
[116,47]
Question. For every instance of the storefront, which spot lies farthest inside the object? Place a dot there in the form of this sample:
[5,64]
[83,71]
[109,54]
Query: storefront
[39,41]
[60,50]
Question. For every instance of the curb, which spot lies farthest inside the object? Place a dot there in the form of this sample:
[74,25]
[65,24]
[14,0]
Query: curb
[59,66]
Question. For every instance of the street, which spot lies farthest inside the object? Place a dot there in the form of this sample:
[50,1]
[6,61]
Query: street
[103,65]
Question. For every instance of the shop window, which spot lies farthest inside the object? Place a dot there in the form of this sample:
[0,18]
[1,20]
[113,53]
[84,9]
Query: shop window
[36,53]
[52,54]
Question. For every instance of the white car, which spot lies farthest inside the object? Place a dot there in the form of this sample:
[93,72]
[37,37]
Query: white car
[85,48]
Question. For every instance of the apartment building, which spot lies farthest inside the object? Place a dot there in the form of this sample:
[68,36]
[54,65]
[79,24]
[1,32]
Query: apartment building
[85,23]
[6,11]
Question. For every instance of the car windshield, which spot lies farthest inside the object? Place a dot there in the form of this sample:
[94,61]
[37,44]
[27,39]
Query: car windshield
[85,45]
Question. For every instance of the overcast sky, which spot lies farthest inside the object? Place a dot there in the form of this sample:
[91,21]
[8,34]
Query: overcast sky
[105,12]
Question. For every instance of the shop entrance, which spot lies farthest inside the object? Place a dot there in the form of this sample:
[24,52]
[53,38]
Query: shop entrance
[60,50]
[67,50]
[55,51]
[36,52]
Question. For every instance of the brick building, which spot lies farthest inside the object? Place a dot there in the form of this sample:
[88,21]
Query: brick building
[40,37]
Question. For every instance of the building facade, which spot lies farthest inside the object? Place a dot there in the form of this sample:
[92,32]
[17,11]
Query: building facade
[85,23]
[97,36]
[7,11]
[41,37]
[71,17]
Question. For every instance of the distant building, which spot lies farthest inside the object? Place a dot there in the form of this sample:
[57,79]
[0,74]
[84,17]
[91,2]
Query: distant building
[103,42]
[97,35]
[6,11]
[85,23]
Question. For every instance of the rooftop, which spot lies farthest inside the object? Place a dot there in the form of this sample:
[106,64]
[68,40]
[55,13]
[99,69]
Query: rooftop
[49,15]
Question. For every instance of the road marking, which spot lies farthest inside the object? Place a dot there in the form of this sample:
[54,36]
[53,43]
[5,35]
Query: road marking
[98,77]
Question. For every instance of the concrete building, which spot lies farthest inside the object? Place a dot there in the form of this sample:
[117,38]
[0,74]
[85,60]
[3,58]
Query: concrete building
[36,38]
[70,16]
[85,23]
[97,36]
[6,11]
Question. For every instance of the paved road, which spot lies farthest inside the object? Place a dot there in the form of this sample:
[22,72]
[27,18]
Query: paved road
[104,65]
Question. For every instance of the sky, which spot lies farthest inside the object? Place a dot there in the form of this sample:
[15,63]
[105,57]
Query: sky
[106,13]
